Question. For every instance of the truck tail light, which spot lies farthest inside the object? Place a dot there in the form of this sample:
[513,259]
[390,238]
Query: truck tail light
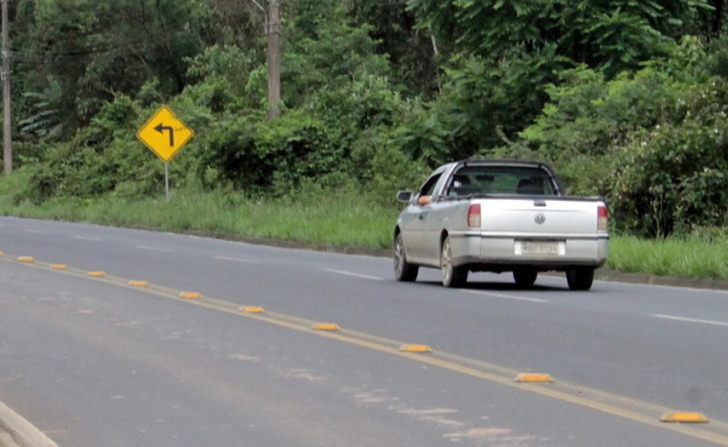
[602,218]
[474,215]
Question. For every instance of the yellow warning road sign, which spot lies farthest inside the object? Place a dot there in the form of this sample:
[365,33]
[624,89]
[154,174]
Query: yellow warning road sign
[164,134]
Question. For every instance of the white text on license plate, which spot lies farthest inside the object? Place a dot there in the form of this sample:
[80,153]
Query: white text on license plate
[540,248]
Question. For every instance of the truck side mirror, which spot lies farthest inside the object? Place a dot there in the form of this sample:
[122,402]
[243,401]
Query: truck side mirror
[405,196]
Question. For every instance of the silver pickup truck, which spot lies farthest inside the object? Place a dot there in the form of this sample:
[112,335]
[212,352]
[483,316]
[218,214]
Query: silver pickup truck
[499,216]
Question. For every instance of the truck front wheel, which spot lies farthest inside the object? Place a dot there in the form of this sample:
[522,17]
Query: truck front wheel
[403,270]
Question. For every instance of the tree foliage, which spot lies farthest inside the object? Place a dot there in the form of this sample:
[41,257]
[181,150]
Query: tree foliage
[515,48]
[608,35]
[625,97]
[46,122]
[96,48]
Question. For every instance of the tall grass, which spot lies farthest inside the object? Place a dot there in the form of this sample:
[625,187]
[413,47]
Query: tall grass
[688,257]
[325,219]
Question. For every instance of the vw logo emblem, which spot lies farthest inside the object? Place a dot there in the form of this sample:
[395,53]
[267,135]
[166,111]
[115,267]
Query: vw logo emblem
[539,218]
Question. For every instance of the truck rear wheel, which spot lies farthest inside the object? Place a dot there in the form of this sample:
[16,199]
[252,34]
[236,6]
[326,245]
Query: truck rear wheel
[525,277]
[451,276]
[403,270]
[580,278]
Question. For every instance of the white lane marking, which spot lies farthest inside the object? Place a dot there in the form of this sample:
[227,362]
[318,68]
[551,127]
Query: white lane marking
[501,295]
[88,238]
[690,320]
[356,275]
[225,258]
[28,230]
[142,247]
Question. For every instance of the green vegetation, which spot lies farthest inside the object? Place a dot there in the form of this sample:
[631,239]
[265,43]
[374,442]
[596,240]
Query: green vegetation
[627,99]
[689,257]
[312,217]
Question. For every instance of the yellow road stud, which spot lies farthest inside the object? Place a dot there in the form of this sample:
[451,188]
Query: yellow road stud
[26,259]
[190,295]
[325,327]
[415,348]
[534,377]
[96,274]
[252,309]
[684,417]
[59,267]
[138,283]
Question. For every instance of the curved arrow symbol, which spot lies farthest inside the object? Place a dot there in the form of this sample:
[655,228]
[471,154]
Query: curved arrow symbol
[161,128]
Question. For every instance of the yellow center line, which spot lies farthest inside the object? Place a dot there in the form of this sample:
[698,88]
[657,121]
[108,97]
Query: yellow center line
[602,401]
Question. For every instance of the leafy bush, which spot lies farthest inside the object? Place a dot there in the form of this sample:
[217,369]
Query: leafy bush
[99,157]
[587,115]
[254,155]
[652,142]
[381,166]
[674,177]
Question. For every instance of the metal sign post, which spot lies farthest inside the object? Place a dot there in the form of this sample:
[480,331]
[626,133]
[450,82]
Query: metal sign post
[166,179]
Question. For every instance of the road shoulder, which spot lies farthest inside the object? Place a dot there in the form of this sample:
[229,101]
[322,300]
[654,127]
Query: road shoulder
[15,431]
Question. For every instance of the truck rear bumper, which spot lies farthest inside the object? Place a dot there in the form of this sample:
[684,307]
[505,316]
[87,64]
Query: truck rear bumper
[504,253]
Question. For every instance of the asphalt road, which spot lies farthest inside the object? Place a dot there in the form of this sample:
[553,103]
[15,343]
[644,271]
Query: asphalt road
[93,361]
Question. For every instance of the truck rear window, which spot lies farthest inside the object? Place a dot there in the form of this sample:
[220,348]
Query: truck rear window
[501,180]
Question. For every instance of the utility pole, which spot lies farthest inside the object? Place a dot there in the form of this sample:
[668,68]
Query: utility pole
[274,58]
[7,137]
[273,32]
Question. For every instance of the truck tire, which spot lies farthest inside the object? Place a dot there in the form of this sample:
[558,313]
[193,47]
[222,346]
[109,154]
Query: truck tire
[525,277]
[451,276]
[403,270]
[580,278]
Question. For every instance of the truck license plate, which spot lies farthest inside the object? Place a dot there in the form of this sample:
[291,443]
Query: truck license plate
[539,248]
